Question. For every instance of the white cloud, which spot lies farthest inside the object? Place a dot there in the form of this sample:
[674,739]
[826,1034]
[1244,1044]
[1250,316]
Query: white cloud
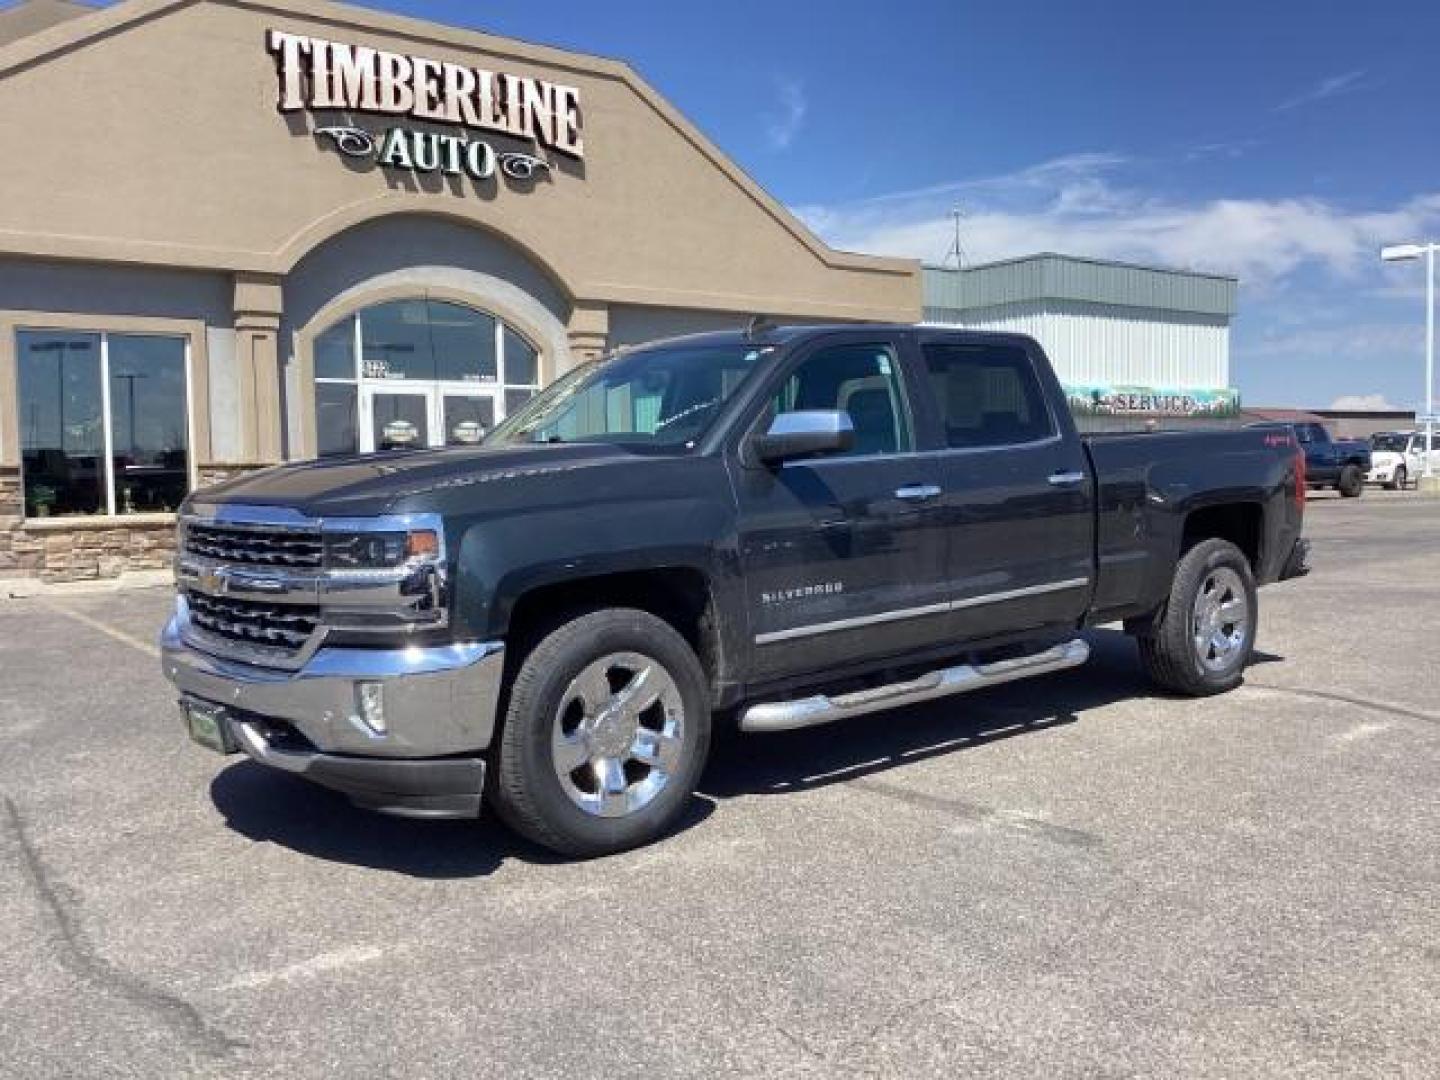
[784,123]
[1364,402]
[1325,88]
[1073,205]
[1349,341]
[1231,149]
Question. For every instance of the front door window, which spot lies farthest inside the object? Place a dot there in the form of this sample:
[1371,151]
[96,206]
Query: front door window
[414,373]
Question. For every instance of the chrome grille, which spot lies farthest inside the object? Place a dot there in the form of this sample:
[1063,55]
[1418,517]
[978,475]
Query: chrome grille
[299,548]
[274,626]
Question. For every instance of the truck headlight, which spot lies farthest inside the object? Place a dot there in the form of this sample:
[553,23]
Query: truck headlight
[374,550]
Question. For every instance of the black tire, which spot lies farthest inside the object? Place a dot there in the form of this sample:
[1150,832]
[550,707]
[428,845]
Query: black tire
[1352,482]
[1400,479]
[1169,650]
[527,789]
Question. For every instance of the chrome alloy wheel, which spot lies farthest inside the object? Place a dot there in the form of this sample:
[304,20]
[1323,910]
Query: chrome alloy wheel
[1220,619]
[618,734]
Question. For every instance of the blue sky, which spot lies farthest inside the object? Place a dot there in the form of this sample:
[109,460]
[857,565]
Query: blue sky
[1281,141]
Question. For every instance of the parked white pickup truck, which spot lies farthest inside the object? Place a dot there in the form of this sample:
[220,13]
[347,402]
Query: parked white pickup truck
[1398,457]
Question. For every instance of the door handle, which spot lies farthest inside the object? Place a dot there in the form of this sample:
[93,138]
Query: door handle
[1066,479]
[917,492]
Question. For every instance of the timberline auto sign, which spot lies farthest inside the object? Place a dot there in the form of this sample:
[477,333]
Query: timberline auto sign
[317,75]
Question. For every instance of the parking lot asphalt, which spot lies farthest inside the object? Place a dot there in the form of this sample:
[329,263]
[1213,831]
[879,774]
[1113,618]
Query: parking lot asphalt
[1069,877]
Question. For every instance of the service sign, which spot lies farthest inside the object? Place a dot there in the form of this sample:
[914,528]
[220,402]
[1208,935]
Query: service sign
[1146,401]
[320,76]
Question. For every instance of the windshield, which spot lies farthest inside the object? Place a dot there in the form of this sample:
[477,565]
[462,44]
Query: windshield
[1395,444]
[665,396]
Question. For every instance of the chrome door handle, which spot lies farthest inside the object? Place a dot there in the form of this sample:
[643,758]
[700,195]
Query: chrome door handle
[1065,479]
[917,492]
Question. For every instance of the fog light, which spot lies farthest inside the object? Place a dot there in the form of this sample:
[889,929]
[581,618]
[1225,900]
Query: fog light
[370,700]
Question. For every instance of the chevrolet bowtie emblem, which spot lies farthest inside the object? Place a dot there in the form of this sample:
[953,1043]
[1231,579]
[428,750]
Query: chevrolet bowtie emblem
[213,582]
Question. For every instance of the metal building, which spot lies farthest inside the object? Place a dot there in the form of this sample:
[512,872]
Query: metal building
[1127,341]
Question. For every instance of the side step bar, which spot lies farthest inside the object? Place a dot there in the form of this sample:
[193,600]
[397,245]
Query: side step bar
[820,709]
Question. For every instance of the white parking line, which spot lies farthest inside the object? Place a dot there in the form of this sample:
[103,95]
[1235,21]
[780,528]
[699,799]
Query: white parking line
[146,647]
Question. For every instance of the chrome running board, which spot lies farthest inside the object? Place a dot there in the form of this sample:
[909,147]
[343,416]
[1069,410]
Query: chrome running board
[820,709]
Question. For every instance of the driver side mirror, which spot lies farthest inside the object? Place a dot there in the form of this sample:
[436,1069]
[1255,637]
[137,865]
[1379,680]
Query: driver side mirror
[806,433]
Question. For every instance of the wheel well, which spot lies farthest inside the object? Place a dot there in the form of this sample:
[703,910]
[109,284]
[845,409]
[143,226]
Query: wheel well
[1237,522]
[678,595]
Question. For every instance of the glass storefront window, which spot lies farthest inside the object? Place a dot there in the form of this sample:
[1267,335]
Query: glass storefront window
[464,343]
[469,368]
[104,422]
[395,341]
[521,361]
[62,443]
[335,419]
[149,446]
[335,351]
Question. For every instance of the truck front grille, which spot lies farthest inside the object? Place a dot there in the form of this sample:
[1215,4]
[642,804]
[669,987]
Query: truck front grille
[285,627]
[250,546]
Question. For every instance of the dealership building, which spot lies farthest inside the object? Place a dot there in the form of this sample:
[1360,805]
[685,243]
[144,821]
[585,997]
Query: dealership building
[241,232]
[238,233]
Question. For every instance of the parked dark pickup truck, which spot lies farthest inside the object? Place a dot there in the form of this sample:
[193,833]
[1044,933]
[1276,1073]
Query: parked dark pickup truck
[1339,463]
[780,528]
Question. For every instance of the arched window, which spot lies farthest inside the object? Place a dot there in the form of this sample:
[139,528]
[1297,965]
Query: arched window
[417,373]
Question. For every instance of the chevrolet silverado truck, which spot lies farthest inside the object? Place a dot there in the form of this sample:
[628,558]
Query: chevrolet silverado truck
[773,529]
[1329,462]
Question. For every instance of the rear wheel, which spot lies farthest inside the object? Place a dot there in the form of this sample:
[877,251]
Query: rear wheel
[606,734]
[1352,482]
[1203,638]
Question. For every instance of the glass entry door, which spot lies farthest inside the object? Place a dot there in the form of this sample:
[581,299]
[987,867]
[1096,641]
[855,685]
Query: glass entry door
[395,419]
[403,417]
[466,418]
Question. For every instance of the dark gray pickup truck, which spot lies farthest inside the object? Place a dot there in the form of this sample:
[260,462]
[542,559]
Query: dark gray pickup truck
[775,528]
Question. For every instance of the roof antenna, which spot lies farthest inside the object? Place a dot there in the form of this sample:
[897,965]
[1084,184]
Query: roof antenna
[758,325]
[957,249]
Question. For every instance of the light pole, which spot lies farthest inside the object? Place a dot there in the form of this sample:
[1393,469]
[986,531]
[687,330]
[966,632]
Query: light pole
[1406,253]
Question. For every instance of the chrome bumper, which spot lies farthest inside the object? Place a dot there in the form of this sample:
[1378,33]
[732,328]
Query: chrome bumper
[431,701]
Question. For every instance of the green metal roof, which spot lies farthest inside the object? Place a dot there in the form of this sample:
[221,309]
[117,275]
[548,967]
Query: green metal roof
[1048,276]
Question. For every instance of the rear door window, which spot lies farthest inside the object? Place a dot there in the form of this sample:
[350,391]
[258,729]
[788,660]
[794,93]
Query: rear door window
[987,395]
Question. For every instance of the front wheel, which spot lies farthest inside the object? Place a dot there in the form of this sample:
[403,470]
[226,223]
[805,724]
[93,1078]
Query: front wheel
[1202,640]
[606,734]
[1352,482]
[1398,482]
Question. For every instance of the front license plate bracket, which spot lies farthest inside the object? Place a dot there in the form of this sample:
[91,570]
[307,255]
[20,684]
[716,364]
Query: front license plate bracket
[209,725]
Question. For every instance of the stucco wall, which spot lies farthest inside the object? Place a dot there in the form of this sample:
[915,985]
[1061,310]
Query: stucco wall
[43,285]
[174,154]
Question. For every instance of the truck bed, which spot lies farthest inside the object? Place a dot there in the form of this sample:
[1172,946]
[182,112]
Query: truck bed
[1149,485]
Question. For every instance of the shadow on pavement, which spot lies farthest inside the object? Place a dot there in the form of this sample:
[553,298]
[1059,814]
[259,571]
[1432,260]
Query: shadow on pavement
[273,807]
[864,746]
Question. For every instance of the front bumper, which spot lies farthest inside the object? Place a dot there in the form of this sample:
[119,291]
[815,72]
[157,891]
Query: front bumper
[399,730]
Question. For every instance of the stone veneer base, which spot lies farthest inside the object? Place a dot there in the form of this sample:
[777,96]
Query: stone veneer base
[81,549]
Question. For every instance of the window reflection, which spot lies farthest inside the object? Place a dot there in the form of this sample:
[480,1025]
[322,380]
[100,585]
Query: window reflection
[335,351]
[447,345]
[521,367]
[62,433]
[64,422]
[148,429]
[335,428]
[464,343]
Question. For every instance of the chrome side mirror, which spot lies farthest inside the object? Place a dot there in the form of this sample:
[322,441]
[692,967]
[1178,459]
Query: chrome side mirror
[807,433]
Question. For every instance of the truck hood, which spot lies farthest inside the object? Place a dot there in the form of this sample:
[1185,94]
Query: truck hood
[1384,458]
[362,485]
